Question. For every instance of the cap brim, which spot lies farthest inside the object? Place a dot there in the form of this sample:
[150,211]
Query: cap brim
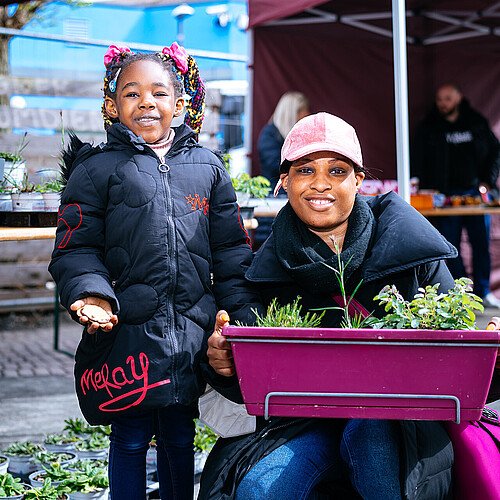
[319,146]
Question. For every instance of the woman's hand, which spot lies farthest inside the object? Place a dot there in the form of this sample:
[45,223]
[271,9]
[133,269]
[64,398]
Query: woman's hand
[219,351]
[494,324]
[95,313]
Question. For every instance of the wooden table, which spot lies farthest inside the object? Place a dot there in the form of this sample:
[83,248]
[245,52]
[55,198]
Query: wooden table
[461,210]
[272,207]
[27,233]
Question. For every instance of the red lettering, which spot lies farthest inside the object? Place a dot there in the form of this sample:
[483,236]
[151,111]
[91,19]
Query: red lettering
[98,380]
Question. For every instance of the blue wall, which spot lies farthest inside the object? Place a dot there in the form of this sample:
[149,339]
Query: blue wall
[29,57]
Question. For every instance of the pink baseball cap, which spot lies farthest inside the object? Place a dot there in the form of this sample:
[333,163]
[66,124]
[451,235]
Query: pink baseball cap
[321,132]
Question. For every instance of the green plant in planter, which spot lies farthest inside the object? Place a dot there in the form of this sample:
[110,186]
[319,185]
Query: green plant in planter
[47,492]
[51,457]
[86,464]
[53,186]
[429,309]
[289,315]
[256,187]
[10,486]
[79,426]
[55,472]
[204,438]
[25,186]
[25,449]
[95,441]
[11,157]
[87,482]
[61,439]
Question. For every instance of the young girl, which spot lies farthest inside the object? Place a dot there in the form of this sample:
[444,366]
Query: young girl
[149,243]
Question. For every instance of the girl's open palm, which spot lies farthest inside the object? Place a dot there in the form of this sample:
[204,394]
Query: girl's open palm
[95,313]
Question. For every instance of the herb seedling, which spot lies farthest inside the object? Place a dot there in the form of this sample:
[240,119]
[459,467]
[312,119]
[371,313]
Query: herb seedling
[288,315]
[25,449]
[204,438]
[430,310]
[46,492]
[10,486]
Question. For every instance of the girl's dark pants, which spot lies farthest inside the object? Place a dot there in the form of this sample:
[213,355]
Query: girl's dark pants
[174,429]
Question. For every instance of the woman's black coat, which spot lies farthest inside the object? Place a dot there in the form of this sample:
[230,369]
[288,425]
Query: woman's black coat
[405,250]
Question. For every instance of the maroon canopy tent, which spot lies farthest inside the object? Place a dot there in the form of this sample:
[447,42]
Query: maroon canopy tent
[340,54]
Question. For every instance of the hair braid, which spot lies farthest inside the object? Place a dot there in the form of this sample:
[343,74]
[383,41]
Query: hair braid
[195,88]
[112,70]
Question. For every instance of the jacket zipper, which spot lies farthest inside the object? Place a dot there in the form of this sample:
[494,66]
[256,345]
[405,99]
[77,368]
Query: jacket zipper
[164,168]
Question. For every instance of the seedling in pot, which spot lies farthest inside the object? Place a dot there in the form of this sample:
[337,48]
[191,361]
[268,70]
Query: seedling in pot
[47,492]
[289,315]
[24,449]
[10,486]
[87,482]
[53,457]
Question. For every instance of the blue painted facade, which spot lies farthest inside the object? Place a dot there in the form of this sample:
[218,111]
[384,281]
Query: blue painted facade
[30,57]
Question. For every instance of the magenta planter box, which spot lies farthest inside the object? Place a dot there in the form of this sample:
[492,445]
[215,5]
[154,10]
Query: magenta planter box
[385,374]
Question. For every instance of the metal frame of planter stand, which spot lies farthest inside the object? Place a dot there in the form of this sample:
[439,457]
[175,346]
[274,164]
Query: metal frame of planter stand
[269,395]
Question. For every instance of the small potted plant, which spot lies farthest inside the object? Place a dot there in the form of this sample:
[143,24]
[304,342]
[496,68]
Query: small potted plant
[25,198]
[248,187]
[79,427]
[21,457]
[44,458]
[47,491]
[204,441]
[11,487]
[92,484]
[51,193]
[55,472]
[5,199]
[85,464]
[4,464]
[94,446]
[61,442]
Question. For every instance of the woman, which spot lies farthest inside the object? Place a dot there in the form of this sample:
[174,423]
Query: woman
[383,241]
[291,107]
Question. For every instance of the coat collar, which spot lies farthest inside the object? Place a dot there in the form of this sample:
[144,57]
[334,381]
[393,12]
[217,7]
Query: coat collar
[402,239]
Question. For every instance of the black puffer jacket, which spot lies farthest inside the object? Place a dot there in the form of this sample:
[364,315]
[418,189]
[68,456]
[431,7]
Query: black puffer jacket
[405,250]
[165,245]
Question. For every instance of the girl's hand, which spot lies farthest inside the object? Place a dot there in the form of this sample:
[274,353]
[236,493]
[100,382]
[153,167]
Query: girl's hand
[219,351]
[95,313]
[494,324]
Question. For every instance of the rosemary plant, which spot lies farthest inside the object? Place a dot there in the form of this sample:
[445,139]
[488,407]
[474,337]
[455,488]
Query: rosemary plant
[288,315]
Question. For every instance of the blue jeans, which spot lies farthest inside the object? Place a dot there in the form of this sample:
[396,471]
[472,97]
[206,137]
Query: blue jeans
[366,450]
[174,429]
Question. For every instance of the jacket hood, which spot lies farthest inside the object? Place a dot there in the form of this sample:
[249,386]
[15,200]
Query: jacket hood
[402,238]
[119,137]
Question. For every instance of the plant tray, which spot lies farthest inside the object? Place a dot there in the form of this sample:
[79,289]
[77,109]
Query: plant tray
[379,374]
[28,219]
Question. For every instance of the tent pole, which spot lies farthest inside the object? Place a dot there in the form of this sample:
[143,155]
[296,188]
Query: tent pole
[248,120]
[401,98]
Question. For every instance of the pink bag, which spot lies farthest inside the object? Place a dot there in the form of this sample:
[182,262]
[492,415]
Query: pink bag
[477,457]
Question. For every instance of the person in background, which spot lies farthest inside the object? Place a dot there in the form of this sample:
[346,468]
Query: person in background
[456,153]
[325,220]
[291,107]
[149,245]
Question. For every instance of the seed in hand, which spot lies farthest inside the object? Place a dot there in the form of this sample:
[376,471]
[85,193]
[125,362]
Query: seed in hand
[95,314]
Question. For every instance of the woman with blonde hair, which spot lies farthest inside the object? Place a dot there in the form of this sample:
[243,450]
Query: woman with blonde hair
[291,107]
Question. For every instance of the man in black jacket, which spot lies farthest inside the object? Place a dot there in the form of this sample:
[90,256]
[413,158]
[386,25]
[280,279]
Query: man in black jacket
[456,153]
